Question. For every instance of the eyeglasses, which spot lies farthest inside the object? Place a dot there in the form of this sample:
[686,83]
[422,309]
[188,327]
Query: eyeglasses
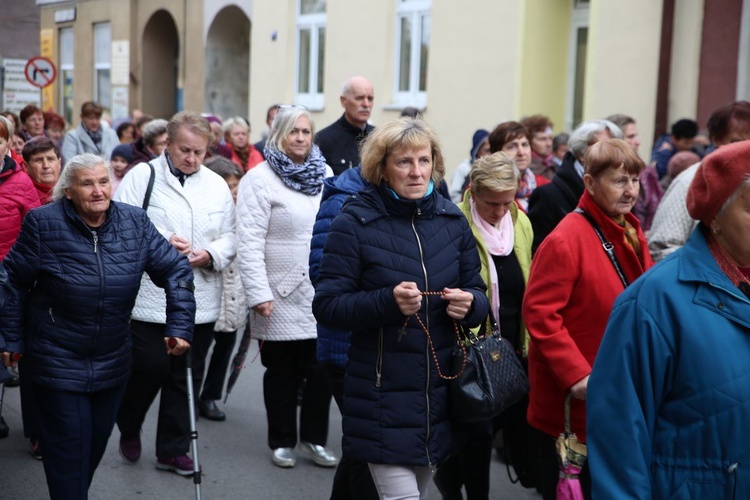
[291,106]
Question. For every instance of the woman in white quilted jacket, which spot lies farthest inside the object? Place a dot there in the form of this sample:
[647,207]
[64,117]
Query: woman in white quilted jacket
[276,207]
[193,208]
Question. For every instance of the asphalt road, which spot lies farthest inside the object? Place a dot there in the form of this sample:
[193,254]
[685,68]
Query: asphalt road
[234,456]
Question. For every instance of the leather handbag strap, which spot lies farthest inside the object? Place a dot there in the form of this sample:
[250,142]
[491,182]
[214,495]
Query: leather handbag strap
[608,247]
[150,188]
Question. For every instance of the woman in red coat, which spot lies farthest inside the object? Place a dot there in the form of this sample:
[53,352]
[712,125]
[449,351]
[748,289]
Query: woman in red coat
[572,287]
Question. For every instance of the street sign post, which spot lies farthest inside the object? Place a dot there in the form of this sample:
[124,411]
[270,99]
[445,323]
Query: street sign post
[40,71]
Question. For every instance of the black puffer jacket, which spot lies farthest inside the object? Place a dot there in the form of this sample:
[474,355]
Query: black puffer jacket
[75,289]
[395,404]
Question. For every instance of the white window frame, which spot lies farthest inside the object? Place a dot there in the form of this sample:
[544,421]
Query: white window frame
[416,10]
[314,99]
[66,57]
[102,60]
[743,56]
[579,19]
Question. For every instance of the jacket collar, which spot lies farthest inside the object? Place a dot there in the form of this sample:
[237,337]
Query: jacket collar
[697,263]
[72,215]
[351,128]
[375,202]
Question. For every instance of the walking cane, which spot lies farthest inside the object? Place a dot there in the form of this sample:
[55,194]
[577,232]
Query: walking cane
[191,410]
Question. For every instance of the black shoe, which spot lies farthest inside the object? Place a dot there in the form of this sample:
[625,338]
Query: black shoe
[36,449]
[4,429]
[209,410]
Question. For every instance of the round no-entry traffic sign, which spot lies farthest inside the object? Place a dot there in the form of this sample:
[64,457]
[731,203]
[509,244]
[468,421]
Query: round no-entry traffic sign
[40,71]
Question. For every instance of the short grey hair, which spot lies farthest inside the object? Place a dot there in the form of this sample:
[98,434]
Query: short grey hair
[86,161]
[153,129]
[584,134]
[236,121]
[734,195]
[284,122]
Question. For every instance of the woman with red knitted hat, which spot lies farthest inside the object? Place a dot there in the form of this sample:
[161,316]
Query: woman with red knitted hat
[669,398]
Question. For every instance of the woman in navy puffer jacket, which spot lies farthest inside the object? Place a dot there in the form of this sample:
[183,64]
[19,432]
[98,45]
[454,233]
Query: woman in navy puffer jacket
[393,242]
[75,271]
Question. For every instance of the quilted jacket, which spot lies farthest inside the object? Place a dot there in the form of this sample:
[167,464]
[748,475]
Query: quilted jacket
[74,291]
[274,227]
[332,343]
[395,404]
[17,196]
[669,396]
[201,211]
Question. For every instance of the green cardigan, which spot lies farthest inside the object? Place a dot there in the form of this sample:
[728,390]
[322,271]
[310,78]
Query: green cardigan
[522,239]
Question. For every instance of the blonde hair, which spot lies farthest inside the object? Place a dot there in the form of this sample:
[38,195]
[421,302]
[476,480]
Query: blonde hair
[404,132]
[496,172]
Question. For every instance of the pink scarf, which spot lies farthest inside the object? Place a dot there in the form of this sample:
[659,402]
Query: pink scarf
[498,240]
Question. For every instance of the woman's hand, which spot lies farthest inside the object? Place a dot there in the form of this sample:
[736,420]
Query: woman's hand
[200,258]
[579,388]
[181,245]
[408,297]
[459,302]
[9,359]
[264,309]
[176,346]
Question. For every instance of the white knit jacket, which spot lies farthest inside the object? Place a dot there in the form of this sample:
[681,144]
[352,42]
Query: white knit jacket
[274,229]
[201,211]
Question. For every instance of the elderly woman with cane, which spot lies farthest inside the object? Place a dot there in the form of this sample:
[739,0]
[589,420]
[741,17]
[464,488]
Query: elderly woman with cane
[671,376]
[75,271]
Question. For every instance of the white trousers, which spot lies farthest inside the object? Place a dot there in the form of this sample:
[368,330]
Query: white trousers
[400,482]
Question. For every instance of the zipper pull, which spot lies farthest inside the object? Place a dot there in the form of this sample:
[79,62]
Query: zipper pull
[96,240]
[377,380]
[51,315]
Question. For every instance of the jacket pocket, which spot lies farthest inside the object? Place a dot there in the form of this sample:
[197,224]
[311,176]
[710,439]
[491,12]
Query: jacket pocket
[292,280]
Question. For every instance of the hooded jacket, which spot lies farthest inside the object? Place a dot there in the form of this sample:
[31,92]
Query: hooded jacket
[332,343]
[395,405]
[668,411]
[17,197]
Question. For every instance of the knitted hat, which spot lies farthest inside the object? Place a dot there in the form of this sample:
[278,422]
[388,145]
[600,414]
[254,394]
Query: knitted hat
[212,118]
[719,175]
[680,161]
[123,151]
[476,142]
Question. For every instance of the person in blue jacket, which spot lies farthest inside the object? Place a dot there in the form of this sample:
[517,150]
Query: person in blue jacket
[399,270]
[352,478]
[75,271]
[669,395]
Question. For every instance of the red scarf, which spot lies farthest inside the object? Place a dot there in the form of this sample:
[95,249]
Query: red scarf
[44,191]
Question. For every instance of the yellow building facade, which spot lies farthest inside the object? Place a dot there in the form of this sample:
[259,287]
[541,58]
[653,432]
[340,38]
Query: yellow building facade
[466,64]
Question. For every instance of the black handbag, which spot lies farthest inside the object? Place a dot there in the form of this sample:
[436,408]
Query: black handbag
[492,379]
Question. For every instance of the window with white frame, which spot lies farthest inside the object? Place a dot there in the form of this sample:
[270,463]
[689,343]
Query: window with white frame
[311,38]
[65,59]
[576,79]
[412,52]
[102,58]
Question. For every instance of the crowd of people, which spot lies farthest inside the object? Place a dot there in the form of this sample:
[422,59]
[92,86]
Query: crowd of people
[130,249]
